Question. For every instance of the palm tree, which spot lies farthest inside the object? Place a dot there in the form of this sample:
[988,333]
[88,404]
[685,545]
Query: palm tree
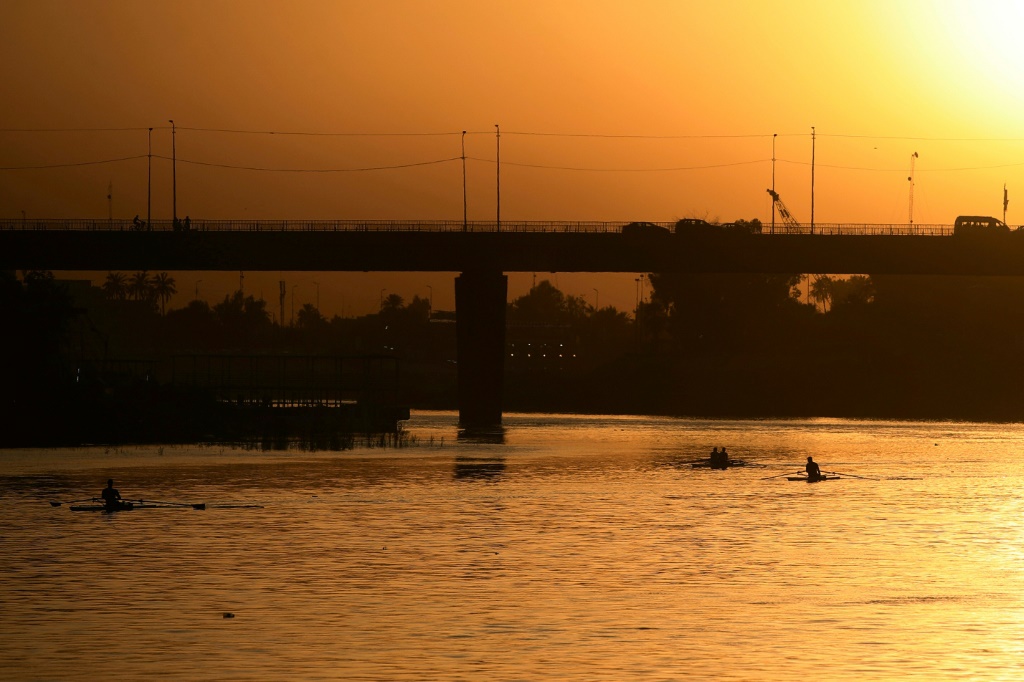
[140,287]
[821,291]
[115,286]
[163,288]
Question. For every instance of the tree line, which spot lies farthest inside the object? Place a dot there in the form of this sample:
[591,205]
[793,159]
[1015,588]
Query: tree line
[713,345]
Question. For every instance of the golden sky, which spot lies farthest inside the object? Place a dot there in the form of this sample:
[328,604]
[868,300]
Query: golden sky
[609,111]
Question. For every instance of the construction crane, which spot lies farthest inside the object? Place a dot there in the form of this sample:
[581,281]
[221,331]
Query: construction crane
[787,218]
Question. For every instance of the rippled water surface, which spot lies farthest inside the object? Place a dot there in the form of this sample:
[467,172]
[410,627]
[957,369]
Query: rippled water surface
[578,548]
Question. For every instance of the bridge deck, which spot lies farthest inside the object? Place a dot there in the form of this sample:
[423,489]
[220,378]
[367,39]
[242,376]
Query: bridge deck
[443,246]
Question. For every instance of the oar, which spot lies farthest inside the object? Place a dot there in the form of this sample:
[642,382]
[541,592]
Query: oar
[788,473]
[200,506]
[839,473]
[57,504]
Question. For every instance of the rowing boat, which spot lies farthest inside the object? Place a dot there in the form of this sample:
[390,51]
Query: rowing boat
[129,506]
[706,464]
[816,479]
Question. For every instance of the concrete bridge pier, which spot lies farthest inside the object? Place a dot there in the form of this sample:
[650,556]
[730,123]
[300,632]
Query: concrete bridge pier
[480,300]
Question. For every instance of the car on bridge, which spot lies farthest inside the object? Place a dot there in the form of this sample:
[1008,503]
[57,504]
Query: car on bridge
[643,228]
[976,225]
[693,225]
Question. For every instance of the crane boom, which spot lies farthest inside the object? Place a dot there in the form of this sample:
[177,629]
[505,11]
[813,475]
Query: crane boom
[787,218]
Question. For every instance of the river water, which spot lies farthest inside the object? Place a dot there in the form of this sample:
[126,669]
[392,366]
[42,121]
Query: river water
[571,548]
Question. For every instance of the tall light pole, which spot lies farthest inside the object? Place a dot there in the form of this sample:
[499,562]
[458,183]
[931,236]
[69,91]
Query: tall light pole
[317,296]
[465,205]
[174,174]
[197,288]
[774,135]
[149,183]
[497,139]
[597,299]
[812,179]
[430,301]
[910,178]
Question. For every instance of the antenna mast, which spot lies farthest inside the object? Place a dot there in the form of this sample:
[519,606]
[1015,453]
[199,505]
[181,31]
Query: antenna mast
[910,179]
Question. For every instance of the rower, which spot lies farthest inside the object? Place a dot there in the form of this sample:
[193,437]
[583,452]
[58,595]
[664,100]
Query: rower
[111,498]
[813,472]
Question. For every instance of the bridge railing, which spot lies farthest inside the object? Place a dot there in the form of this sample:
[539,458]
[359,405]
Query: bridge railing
[533,226]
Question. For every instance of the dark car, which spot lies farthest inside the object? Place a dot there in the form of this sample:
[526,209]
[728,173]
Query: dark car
[979,225]
[693,225]
[644,228]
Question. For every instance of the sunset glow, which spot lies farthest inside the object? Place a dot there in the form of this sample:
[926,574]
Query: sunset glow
[608,111]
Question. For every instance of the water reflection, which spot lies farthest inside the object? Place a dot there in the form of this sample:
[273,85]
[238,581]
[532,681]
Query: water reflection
[484,436]
[599,547]
[480,468]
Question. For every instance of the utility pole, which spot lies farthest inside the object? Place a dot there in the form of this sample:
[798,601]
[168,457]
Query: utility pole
[910,179]
[1006,202]
[149,183]
[774,135]
[812,179]
[110,201]
[497,139]
[174,174]
[465,221]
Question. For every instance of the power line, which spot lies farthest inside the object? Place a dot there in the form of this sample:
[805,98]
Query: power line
[314,134]
[904,170]
[76,130]
[72,165]
[621,170]
[312,170]
[643,137]
[526,133]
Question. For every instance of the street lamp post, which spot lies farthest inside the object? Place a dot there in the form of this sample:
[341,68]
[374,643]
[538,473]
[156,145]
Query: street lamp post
[430,301]
[197,288]
[497,158]
[774,135]
[812,179]
[597,299]
[465,220]
[174,173]
[317,296]
[293,304]
[149,182]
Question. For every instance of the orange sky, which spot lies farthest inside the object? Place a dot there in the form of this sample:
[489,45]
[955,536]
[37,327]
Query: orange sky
[708,83]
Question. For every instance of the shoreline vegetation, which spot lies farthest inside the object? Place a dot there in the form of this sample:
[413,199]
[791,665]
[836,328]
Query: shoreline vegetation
[102,364]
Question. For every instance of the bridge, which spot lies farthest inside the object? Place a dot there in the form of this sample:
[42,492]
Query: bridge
[483,251]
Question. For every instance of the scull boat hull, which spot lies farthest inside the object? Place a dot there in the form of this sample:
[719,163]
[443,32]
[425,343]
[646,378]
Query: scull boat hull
[812,480]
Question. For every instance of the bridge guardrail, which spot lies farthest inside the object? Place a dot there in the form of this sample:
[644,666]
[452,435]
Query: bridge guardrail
[532,226]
